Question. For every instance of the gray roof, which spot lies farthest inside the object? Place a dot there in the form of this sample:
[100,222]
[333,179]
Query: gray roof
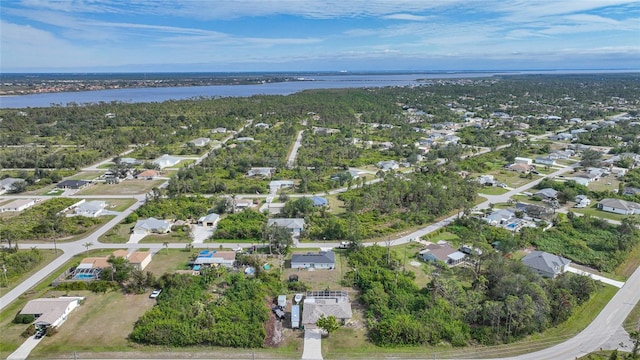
[152,224]
[292,224]
[322,257]
[7,183]
[313,309]
[545,262]
[91,206]
[548,192]
[211,217]
[620,204]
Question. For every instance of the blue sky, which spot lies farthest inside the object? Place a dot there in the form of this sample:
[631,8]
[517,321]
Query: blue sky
[327,35]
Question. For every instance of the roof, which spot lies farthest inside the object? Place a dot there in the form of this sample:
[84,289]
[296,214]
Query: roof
[619,204]
[440,252]
[50,309]
[322,257]
[458,255]
[167,160]
[94,205]
[72,183]
[148,173]
[151,224]
[545,262]
[211,217]
[138,256]
[287,222]
[548,192]
[319,201]
[214,257]
[313,309]
[7,183]
[18,203]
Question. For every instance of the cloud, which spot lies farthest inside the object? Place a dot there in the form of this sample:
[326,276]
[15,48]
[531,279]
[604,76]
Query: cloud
[407,17]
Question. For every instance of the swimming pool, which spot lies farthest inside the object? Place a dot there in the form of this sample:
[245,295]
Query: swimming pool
[84,276]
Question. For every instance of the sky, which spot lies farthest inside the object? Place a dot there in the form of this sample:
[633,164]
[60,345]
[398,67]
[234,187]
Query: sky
[322,35]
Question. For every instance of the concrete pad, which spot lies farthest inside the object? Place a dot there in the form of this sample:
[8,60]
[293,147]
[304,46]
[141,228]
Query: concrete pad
[312,344]
[618,284]
[200,233]
[135,238]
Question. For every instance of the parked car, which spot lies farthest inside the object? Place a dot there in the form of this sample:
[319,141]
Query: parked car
[344,244]
[155,293]
[40,333]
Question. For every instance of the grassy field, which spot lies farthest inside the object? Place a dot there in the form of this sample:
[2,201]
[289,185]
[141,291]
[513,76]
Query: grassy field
[86,175]
[593,211]
[47,257]
[173,237]
[608,183]
[127,187]
[117,234]
[169,260]
[492,190]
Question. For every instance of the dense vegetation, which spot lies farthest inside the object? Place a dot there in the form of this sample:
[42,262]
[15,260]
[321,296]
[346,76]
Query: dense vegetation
[501,301]
[245,225]
[18,262]
[45,221]
[187,314]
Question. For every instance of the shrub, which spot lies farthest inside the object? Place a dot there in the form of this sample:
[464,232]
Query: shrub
[29,331]
[24,319]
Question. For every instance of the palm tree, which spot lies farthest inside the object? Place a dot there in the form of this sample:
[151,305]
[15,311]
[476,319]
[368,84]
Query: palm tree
[87,245]
[166,246]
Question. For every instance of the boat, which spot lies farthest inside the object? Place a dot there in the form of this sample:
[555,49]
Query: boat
[298,298]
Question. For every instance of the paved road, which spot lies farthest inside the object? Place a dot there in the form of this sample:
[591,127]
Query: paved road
[598,333]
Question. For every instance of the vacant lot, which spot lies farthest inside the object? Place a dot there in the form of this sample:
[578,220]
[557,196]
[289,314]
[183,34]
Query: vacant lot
[127,187]
[102,322]
[47,257]
[169,260]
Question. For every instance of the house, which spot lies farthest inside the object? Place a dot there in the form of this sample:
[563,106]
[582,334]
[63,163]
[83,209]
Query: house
[50,312]
[18,205]
[388,165]
[326,303]
[500,217]
[582,201]
[210,220]
[618,171]
[547,194]
[262,125]
[166,161]
[631,191]
[523,160]
[140,259]
[319,201]
[619,206]
[215,258]
[152,225]
[545,264]
[200,142]
[130,161]
[111,180]
[265,172]
[244,139]
[520,167]
[276,185]
[219,130]
[548,161]
[8,184]
[241,204]
[486,180]
[148,174]
[73,184]
[90,208]
[295,225]
[320,260]
[561,137]
[441,252]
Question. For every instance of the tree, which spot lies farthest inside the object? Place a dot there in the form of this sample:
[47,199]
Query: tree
[87,245]
[120,269]
[328,324]
[166,247]
[279,239]
[590,158]
[635,338]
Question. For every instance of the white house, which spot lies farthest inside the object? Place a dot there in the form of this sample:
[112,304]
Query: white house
[548,161]
[209,220]
[523,160]
[295,225]
[319,260]
[166,161]
[582,201]
[50,312]
[388,165]
[200,142]
[152,225]
[90,208]
[619,206]
[18,205]
[140,259]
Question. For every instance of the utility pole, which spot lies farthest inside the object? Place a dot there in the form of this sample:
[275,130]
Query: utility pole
[4,270]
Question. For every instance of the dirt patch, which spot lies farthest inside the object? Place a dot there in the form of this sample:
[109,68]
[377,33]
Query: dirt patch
[415,263]
[275,332]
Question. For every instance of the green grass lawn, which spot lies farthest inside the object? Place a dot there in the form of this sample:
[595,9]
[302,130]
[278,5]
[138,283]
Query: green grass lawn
[492,190]
[593,211]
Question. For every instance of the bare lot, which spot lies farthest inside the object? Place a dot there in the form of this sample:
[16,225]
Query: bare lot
[127,187]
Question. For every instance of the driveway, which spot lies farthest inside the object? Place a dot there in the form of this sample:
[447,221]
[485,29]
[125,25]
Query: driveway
[312,344]
[25,349]
[618,284]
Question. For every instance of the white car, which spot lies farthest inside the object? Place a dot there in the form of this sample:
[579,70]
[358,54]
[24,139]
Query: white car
[155,293]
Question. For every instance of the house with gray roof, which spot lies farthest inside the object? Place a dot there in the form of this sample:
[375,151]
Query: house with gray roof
[319,260]
[619,206]
[200,142]
[152,225]
[210,220]
[388,165]
[295,225]
[545,264]
[90,208]
[265,172]
[8,184]
[72,184]
[50,312]
[547,194]
[166,161]
[325,303]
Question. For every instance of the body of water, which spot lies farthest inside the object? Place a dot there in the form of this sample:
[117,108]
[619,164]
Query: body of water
[136,95]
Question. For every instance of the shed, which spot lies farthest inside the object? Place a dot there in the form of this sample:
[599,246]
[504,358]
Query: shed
[282,301]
